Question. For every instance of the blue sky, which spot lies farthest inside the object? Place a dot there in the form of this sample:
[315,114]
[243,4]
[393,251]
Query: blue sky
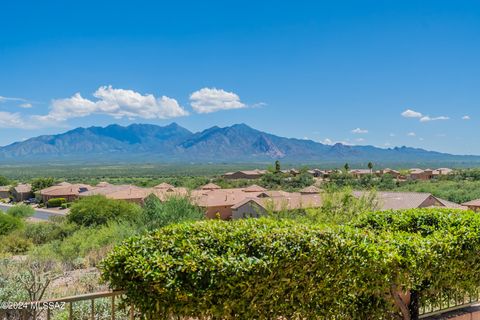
[324,70]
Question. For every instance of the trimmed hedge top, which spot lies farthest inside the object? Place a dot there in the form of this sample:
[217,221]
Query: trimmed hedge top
[264,269]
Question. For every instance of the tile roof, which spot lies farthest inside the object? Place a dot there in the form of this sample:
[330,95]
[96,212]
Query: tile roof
[473,203]
[210,186]
[254,188]
[65,189]
[310,189]
[23,188]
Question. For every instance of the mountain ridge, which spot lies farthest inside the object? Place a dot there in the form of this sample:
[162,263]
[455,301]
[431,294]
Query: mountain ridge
[174,143]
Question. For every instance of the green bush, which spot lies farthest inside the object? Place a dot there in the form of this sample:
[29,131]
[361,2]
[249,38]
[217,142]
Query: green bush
[98,210]
[43,232]
[56,202]
[87,245]
[21,211]
[66,205]
[267,269]
[157,214]
[9,223]
[15,243]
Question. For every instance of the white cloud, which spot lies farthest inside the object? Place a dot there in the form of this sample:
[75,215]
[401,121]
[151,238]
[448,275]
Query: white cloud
[359,131]
[4,99]
[209,100]
[411,114]
[427,118]
[466,117]
[12,120]
[411,134]
[327,141]
[387,144]
[25,105]
[392,135]
[359,140]
[118,103]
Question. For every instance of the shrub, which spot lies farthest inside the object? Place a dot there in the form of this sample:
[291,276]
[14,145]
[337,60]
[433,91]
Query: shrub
[253,268]
[21,211]
[157,214]
[66,205]
[56,202]
[9,223]
[43,232]
[267,269]
[15,243]
[98,210]
[93,242]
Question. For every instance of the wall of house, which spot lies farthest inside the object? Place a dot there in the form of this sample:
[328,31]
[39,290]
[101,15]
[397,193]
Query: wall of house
[4,194]
[248,210]
[431,202]
[68,198]
[21,196]
[225,212]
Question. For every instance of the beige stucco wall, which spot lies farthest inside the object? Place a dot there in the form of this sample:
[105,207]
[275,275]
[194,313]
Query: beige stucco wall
[248,210]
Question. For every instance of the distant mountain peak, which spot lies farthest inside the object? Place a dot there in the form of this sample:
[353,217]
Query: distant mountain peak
[173,143]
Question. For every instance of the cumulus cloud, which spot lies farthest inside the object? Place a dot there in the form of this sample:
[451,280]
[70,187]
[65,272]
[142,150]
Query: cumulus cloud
[411,134]
[25,105]
[359,131]
[118,103]
[427,118]
[466,117]
[327,141]
[423,118]
[209,100]
[411,114]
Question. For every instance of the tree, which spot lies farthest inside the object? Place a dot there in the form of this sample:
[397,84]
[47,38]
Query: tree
[346,167]
[42,183]
[277,166]
[370,166]
[98,210]
[4,181]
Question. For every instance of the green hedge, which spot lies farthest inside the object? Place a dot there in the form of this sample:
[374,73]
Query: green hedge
[264,269]
[56,202]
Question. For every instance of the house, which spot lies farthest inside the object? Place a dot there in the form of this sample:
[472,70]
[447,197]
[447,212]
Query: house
[357,173]
[473,205]
[218,202]
[253,207]
[419,174]
[119,192]
[4,192]
[245,174]
[69,192]
[409,200]
[135,194]
[442,172]
[394,173]
[22,192]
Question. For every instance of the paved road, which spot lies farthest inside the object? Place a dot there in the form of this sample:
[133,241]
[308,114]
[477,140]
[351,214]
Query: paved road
[39,213]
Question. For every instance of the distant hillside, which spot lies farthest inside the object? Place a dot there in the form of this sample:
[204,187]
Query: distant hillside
[235,144]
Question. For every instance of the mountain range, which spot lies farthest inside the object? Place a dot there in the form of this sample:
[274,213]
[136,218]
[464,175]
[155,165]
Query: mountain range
[238,143]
